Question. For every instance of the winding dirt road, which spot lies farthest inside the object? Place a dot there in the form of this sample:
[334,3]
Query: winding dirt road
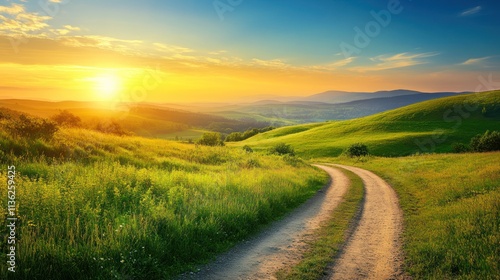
[374,249]
[281,244]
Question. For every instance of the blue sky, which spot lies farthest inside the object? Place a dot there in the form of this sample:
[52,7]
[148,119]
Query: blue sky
[442,39]
[303,31]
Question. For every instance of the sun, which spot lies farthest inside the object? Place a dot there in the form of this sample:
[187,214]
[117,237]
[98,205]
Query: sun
[107,86]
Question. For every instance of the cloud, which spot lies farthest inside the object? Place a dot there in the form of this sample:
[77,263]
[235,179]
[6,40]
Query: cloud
[386,62]
[14,20]
[471,11]
[14,9]
[476,61]
[334,65]
[273,63]
[172,48]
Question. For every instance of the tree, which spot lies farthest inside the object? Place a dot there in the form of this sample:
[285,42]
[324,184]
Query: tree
[489,141]
[459,148]
[357,150]
[111,127]
[211,139]
[282,149]
[65,118]
[33,128]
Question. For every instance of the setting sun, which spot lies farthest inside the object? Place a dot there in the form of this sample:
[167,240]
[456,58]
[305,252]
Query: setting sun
[107,86]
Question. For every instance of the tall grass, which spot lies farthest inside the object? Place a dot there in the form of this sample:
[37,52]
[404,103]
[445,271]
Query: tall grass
[451,206]
[111,207]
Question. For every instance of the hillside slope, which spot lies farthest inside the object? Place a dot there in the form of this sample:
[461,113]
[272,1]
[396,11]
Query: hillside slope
[430,126]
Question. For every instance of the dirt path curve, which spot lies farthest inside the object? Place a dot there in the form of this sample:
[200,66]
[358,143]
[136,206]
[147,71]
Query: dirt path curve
[280,244]
[374,249]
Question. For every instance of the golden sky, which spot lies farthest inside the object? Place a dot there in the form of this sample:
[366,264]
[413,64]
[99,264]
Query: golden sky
[42,57]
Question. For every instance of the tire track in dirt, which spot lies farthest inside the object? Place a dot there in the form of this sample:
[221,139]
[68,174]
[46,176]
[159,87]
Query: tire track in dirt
[282,243]
[373,251]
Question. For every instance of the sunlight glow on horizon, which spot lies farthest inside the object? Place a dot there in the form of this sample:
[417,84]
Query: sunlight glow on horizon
[107,86]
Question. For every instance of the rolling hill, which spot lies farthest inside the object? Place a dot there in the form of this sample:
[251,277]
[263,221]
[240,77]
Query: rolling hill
[430,126]
[143,120]
[279,113]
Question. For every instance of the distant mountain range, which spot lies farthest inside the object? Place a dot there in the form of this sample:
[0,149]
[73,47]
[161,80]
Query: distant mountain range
[156,118]
[344,96]
[332,105]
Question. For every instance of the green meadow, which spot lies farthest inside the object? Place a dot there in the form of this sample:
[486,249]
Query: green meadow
[98,206]
[430,126]
[92,205]
[451,206]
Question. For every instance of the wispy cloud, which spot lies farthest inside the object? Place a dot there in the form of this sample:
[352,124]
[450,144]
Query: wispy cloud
[15,20]
[334,65]
[171,48]
[476,61]
[385,62]
[273,63]
[471,11]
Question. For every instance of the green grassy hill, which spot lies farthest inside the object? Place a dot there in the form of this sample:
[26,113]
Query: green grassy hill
[142,120]
[431,126]
[97,206]
[451,206]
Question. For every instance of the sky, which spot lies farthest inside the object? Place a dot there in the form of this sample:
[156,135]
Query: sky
[241,50]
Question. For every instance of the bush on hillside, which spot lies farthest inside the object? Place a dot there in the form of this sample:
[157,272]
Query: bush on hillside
[65,118]
[357,150]
[460,148]
[111,127]
[32,128]
[240,136]
[282,149]
[489,141]
[211,139]
[247,149]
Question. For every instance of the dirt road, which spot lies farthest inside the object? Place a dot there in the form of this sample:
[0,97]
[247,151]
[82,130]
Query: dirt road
[374,249]
[281,244]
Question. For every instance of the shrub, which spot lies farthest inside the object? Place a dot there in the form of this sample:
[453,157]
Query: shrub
[111,127]
[247,149]
[238,136]
[251,163]
[234,137]
[489,141]
[357,150]
[211,139]
[459,148]
[65,118]
[282,149]
[32,128]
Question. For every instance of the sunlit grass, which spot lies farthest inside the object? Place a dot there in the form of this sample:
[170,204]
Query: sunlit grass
[96,206]
[451,206]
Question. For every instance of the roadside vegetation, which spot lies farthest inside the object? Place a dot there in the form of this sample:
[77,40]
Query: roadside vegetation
[451,206]
[93,205]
